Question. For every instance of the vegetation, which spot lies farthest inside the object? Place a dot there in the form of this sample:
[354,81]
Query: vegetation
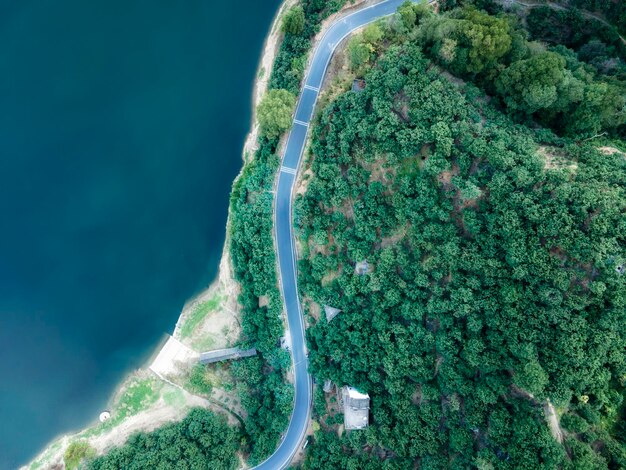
[198,314]
[594,42]
[274,112]
[363,46]
[293,21]
[76,453]
[199,381]
[548,85]
[201,440]
[291,59]
[613,11]
[494,251]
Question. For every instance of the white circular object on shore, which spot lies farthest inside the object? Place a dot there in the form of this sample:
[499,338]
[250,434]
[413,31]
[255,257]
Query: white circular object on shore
[104,416]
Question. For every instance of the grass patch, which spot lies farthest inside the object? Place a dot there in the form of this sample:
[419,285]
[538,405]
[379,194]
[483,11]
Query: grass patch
[138,395]
[76,453]
[174,397]
[200,381]
[206,343]
[198,314]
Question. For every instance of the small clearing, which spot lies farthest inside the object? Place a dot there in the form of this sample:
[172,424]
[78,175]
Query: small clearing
[553,421]
[606,150]
[555,159]
[211,319]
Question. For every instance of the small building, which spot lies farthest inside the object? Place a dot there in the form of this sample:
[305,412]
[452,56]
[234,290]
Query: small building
[210,357]
[356,408]
[331,312]
[362,268]
[358,85]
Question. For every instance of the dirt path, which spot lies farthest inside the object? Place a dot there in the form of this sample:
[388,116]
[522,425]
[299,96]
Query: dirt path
[557,6]
[553,421]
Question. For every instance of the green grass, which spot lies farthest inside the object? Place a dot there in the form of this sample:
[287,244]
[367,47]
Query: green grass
[198,314]
[77,452]
[39,463]
[206,343]
[200,381]
[174,397]
[138,395]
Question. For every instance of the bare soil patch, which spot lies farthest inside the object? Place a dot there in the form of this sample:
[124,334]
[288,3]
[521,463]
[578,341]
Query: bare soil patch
[556,159]
[553,421]
[606,150]
[394,238]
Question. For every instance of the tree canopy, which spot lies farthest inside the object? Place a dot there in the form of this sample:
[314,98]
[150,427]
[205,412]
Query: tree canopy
[274,112]
[493,285]
[294,21]
[548,84]
[202,440]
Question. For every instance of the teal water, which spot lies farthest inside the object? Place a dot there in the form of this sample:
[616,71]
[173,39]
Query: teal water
[121,127]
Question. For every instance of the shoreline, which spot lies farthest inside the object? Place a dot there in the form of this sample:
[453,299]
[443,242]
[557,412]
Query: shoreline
[224,280]
[52,453]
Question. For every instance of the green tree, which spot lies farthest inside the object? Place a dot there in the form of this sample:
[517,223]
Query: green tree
[372,34]
[359,53]
[76,453]
[293,21]
[274,112]
[201,440]
[533,84]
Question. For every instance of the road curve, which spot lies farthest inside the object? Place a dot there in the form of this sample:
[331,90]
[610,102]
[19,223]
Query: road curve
[283,225]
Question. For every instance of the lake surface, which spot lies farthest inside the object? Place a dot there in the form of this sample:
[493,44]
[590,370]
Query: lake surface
[121,129]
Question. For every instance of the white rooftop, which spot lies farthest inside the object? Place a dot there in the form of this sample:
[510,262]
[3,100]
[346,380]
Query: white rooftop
[354,393]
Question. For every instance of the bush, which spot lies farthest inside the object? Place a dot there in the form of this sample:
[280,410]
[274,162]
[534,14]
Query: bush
[77,452]
[293,21]
[274,112]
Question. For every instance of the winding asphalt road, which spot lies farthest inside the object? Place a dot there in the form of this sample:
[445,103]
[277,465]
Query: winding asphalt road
[284,228]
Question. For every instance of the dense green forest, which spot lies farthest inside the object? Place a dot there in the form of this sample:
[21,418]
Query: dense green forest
[613,10]
[202,440]
[496,239]
[550,85]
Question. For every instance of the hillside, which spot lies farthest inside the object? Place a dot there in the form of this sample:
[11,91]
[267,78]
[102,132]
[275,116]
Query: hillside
[495,291]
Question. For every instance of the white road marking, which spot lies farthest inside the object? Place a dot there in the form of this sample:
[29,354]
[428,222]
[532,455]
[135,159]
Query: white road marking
[312,88]
[286,169]
[302,123]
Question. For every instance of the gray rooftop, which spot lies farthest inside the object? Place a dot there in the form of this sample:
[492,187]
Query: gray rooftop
[331,312]
[362,267]
[225,354]
[356,408]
